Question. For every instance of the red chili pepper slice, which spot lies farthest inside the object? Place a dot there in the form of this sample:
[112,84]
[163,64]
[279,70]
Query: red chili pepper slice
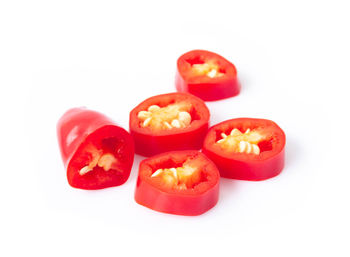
[246,148]
[206,75]
[168,122]
[96,152]
[179,182]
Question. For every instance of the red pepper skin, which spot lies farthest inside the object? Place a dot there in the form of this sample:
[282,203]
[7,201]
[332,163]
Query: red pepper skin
[206,88]
[190,202]
[267,164]
[77,130]
[148,142]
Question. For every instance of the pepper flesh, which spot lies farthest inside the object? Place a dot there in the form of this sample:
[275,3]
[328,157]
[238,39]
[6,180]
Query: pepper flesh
[260,157]
[168,122]
[178,182]
[206,75]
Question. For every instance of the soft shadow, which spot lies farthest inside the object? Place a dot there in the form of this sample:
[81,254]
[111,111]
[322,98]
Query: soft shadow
[135,168]
[293,152]
[228,187]
[245,81]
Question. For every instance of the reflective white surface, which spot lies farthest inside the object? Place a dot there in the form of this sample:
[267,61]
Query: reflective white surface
[293,62]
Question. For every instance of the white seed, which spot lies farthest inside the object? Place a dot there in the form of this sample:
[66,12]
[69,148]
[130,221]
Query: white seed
[166,124]
[157,172]
[249,147]
[185,118]
[106,161]
[256,149]
[174,171]
[235,132]
[175,123]
[212,73]
[153,108]
[147,121]
[201,67]
[143,115]
[255,137]
[182,186]
[220,141]
[242,146]
[84,170]
[246,144]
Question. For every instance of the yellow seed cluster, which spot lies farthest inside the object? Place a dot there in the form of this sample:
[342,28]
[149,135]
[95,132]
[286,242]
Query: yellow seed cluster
[208,68]
[180,177]
[167,117]
[104,161]
[241,142]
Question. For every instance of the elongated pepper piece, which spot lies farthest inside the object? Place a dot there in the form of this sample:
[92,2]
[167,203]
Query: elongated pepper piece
[95,151]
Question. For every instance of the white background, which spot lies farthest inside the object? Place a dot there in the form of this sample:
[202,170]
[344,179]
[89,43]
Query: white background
[293,61]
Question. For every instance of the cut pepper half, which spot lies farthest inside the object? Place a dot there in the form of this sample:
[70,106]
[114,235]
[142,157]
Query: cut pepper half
[178,182]
[246,148]
[96,152]
[175,121]
[206,75]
